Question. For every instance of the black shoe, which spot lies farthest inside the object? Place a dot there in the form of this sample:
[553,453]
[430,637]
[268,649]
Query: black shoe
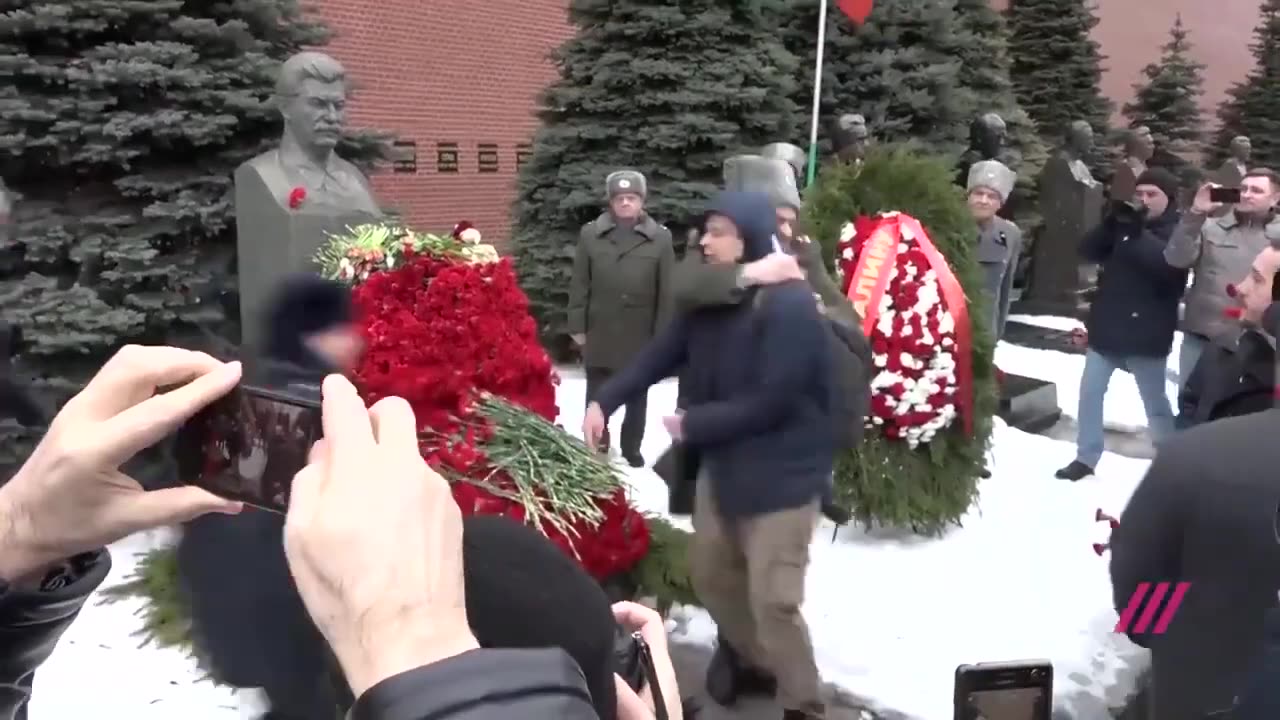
[836,514]
[728,679]
[1075,471]
[985,474]
[634,459]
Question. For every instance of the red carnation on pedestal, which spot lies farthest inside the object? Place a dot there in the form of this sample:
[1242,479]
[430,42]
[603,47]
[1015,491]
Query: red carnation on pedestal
[297,196]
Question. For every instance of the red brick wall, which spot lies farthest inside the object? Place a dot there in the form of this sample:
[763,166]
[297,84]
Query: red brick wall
[469,72]
[449,71]
[1132,31]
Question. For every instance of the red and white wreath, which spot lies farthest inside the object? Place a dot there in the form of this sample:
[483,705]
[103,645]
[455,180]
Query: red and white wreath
[913,341]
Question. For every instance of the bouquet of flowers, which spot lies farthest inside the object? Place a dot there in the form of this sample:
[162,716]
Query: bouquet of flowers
[914,391]
[448,329]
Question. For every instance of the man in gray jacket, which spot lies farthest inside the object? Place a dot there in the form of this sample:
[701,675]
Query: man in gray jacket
[1219,251]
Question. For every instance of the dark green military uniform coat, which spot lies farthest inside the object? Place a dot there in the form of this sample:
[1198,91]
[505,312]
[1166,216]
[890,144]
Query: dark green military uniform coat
[620,293]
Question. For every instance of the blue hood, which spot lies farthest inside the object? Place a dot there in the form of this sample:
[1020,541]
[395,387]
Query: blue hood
[753,213]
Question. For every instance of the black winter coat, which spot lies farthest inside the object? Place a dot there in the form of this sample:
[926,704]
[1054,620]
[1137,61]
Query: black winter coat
[32,622]
[1206,513]
[1135,310]
[1260,697]
[478,685]
[1231,378]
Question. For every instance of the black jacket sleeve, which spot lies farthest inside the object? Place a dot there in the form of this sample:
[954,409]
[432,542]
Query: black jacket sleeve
[1097,244]
[32,622]
[660,358]
[483,685]
[1145,546]
[1260,699]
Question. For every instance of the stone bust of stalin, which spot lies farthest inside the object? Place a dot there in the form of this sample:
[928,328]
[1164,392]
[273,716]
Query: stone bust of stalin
[311,95]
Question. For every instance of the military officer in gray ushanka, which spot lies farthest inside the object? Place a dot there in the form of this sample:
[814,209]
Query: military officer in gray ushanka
[999,241]
[620,294]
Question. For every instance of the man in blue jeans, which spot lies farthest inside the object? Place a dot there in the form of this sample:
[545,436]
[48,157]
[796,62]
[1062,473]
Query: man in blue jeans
[1134,314]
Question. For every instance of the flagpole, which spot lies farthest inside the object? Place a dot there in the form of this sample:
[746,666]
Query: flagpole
[817,92]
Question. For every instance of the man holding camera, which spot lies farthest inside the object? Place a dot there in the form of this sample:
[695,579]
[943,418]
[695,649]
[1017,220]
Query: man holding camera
[1219,251]
[1134,314]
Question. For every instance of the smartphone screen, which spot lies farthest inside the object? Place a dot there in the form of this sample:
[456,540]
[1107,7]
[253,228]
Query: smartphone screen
[1224,195]
[248,445]
[1004,692]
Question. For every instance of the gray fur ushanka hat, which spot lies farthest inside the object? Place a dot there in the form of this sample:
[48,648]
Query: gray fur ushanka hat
[625,181]
[991,174]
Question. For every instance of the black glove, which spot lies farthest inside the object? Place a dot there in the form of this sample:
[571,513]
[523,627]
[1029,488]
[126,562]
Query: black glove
[1127,214]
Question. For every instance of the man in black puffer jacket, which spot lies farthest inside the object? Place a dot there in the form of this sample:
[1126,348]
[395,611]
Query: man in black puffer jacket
[1134,314]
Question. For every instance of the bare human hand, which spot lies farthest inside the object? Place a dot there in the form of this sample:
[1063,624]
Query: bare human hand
[1202,203]
[379,568]
[70,496]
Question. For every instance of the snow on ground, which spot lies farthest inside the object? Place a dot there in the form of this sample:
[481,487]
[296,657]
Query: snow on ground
[891,615]
[1122,409]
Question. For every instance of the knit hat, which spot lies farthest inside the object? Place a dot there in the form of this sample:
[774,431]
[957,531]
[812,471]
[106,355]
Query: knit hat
[993,175]
[1166,181]
[625,181]
[523,592]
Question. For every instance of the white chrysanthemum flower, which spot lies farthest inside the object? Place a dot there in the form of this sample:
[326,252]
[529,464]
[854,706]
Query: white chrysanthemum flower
[847,232]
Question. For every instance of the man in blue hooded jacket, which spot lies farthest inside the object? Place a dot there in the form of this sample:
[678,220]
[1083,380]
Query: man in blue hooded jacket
[758,391]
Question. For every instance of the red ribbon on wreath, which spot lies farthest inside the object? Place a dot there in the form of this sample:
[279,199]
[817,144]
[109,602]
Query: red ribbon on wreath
[871,277]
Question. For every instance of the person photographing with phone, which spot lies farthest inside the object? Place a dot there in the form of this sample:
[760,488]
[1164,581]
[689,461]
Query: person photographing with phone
[1218,251]
[380,573]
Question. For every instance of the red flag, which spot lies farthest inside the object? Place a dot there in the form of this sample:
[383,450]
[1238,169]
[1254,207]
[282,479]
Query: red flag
[857,10]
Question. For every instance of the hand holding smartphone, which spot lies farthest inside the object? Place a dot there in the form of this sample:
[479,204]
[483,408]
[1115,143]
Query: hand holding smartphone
[1021,690]
[248,445]
[1224,195]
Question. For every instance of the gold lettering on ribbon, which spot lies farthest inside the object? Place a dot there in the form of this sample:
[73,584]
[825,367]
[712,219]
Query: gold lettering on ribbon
[876,255]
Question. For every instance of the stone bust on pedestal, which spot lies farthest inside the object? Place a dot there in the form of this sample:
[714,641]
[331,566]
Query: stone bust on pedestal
[1234,168]
[288,200]
[988,135]
[1071,205]
[1139,146]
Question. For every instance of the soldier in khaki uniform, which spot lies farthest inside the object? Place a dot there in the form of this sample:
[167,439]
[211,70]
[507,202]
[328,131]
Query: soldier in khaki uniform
[620,294]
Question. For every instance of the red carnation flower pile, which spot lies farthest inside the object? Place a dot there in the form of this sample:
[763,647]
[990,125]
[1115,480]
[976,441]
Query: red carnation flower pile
[442,333]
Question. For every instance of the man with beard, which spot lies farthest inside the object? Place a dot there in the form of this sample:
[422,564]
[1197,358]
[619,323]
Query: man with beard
[1236,374]
[1218,251]
[247,617]
[1134,314]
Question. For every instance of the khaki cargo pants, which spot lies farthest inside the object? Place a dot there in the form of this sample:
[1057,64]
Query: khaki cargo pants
[749,575]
